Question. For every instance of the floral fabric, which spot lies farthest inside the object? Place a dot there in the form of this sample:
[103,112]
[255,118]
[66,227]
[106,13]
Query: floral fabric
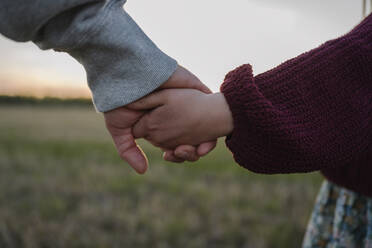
[341,219]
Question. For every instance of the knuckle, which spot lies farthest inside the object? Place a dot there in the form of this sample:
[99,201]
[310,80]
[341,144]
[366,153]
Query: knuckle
[152,138]
[152,124]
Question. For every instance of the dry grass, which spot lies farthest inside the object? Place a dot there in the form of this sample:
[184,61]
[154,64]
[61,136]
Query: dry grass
[62,185]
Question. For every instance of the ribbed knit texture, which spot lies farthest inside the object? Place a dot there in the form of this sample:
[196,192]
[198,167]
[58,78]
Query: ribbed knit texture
[313,112]
[122,64]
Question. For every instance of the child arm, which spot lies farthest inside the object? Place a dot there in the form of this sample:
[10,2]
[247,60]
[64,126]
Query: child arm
[310,113]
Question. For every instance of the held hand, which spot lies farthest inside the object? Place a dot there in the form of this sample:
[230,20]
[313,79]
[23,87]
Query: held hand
[182,78]
[182,116]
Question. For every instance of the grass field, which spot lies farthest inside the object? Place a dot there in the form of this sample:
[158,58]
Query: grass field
[62,185]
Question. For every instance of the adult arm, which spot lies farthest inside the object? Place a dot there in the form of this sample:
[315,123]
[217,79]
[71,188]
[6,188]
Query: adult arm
[312,112]
[121,62]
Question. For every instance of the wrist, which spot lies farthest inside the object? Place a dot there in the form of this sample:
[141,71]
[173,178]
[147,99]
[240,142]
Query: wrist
[222,119]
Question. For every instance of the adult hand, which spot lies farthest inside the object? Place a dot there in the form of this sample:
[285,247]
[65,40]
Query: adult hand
[120,122]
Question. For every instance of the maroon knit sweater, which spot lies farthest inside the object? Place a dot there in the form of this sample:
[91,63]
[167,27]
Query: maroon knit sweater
[313,112]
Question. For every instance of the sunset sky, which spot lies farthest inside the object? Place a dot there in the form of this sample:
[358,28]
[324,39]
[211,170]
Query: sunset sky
[208,37]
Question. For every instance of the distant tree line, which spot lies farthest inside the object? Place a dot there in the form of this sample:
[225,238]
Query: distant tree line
[46,101]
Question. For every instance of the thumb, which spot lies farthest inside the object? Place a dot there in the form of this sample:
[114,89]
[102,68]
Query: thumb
[129,151]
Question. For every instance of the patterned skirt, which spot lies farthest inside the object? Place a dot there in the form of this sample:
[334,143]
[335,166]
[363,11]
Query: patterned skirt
[341,218]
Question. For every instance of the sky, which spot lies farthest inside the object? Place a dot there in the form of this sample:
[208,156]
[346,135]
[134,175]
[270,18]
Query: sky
[208,37]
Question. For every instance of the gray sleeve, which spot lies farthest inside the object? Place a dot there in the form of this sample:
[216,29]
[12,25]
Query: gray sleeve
[121,62]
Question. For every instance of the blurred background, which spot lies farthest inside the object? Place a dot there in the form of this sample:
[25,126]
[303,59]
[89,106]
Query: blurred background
[62,183]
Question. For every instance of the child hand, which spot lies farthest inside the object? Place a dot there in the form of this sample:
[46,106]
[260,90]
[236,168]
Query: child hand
[182,117]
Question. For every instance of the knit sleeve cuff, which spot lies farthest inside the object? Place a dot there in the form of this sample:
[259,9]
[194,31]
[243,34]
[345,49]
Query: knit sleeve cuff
[122,64]
[241,93]
[261,140]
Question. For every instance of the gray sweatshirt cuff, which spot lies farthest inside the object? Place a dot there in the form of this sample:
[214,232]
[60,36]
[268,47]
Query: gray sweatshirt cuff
[121,62]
